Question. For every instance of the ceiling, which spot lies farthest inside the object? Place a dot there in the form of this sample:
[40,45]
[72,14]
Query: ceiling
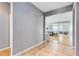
[59,17]
[48,6]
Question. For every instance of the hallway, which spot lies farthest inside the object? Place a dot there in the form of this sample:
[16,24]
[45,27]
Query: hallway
[34,23]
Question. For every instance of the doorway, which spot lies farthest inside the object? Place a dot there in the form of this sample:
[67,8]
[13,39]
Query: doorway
[59,32]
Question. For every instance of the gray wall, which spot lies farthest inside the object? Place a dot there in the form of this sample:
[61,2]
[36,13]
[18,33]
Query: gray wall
[27,26]
[77,29]
[4,25]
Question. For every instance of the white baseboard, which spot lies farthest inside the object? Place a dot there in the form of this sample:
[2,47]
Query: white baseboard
[4,48]
[18,54]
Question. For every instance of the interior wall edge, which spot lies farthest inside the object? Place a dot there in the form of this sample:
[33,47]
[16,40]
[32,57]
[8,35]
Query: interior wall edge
[43,27]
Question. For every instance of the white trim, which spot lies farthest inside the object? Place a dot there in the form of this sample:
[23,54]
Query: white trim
[28,48]
[4,48]
[11,28]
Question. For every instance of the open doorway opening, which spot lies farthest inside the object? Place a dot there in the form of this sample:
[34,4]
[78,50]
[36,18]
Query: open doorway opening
[59,33]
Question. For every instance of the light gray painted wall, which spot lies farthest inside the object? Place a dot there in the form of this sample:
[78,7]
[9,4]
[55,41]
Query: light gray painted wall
[77,28]
[27,26]
[4,25]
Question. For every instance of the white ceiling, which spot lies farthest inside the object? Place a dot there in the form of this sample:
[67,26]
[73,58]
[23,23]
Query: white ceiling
[59,17]
[48,6]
